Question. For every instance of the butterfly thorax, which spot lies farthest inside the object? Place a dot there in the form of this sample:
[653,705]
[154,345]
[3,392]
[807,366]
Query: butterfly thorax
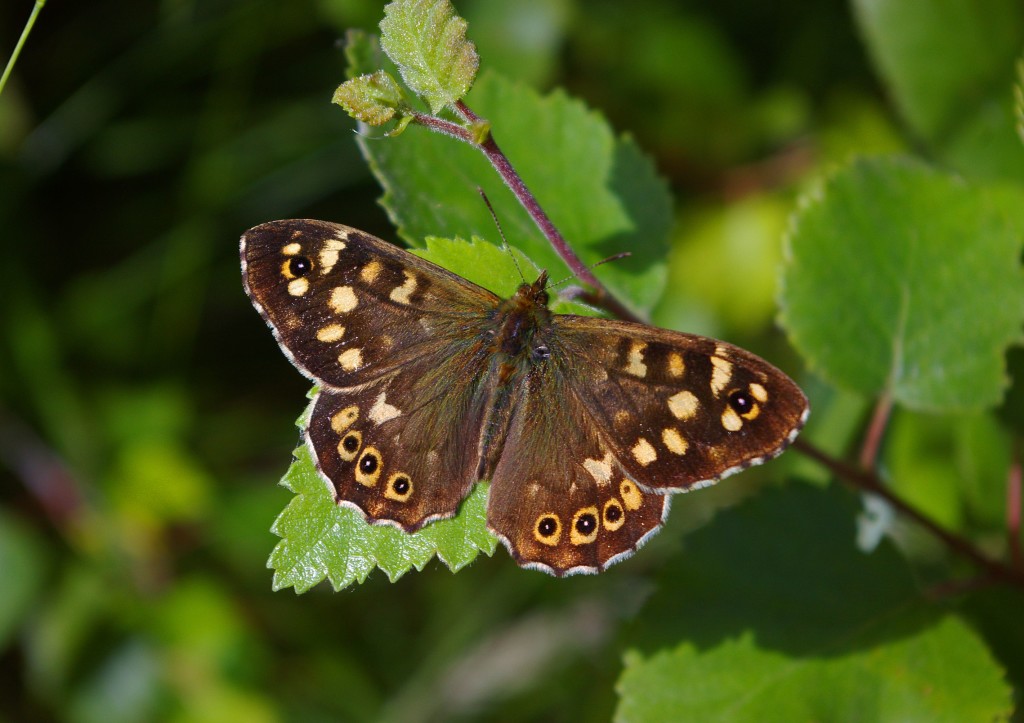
[517,337]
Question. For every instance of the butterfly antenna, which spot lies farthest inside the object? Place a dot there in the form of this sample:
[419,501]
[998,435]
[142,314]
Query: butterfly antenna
[497,223]
[613,257]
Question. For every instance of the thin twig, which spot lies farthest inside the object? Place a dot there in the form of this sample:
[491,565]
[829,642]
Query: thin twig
[869,482]
[489,147]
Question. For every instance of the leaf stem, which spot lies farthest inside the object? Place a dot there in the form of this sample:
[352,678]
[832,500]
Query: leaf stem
[601,296]
[29,24]
[868,481]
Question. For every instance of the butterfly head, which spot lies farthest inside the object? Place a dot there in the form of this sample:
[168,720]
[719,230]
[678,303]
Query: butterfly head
[535,294]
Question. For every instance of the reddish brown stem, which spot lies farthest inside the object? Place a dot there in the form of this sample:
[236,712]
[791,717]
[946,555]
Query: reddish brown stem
[876,431]
[489,147]
[867,481]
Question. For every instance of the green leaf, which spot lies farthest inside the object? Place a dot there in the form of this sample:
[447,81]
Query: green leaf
[949,68]
[902,279]
[427,40]
[941,674]
[601,191]
[502,270]
[772,613]
[373,99]
[323,540]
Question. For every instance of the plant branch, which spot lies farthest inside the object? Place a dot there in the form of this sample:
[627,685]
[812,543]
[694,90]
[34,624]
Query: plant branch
[867,481]
[489,147]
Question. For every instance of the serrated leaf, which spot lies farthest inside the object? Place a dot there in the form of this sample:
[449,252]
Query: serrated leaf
[902,279]
[323,540]
[500,270]
[942,674]
[756,621]
[373,99]
[949,67]
[601,191]
[427,41]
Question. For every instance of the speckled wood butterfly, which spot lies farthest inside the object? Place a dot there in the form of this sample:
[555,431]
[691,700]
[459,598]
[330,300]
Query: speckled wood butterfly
[429,383]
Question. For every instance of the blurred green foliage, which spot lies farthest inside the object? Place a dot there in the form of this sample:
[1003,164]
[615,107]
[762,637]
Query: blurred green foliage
[146,415]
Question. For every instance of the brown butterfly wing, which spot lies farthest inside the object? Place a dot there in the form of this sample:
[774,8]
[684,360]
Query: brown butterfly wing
[385,334]
[677,410]
[560,500]
[347,307]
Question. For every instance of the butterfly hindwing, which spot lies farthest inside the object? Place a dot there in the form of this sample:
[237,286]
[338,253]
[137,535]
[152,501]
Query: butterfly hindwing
[404,449]
[560,500]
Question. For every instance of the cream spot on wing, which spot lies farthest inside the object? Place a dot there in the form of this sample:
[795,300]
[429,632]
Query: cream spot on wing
[381,411]
[635,363]
[600,375]
[329,254]
[683,405]
[630,495]
[330,333]
[643,452]
[401,294]
[351,359]
[622,417]
[600,470]
[758,392]
[721,374]
[291,249]
[343,299]
[674,441]
[298,287]
[370,272]
[676,365]
[344,419]
[731,421]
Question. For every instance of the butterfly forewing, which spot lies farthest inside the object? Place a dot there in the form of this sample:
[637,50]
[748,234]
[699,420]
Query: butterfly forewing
[678,410]
[347,307]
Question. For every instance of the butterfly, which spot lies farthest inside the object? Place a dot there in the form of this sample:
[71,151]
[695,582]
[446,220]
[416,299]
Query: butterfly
[429,383]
